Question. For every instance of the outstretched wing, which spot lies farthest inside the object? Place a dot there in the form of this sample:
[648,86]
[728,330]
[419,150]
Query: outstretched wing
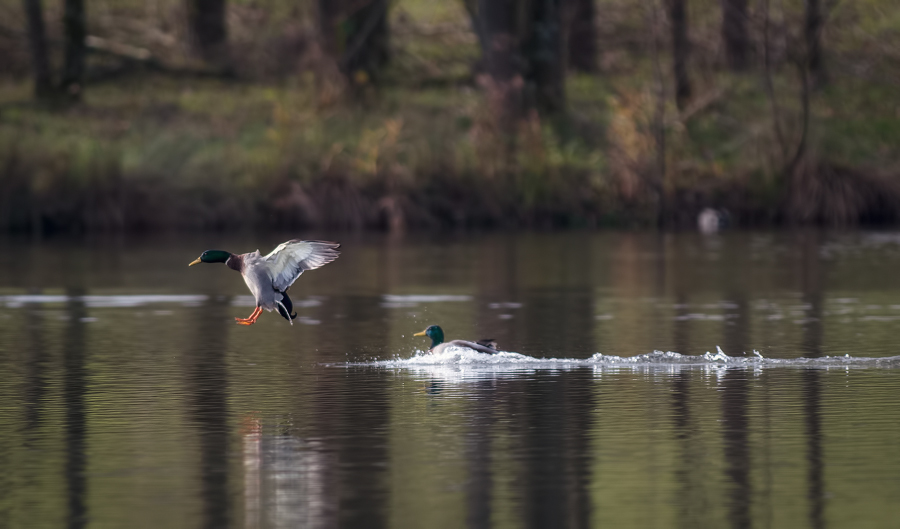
[292,258]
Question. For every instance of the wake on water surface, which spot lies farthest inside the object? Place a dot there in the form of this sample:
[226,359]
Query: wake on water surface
[462,358]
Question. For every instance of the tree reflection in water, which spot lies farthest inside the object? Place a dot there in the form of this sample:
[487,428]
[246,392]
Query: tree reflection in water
[206,388]
[75,387]
[811,271]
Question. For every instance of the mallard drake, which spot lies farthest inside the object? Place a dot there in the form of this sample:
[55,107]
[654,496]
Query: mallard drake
[438,344]
[268,277]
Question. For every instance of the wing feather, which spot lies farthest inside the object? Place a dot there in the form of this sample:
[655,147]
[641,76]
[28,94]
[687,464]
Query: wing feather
[290,259]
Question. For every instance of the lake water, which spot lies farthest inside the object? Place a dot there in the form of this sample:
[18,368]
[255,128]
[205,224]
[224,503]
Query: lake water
[129,397]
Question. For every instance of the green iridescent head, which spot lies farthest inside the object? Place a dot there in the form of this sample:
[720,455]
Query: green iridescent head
[211,256]
[435,333]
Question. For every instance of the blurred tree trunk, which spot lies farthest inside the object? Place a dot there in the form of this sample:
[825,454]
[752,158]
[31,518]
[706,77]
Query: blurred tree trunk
[75,28]
[659,114]
[477,27]
[504,80]
[543,53]
[813,35]
[523,55]
[40,58]
[734,33]
[356,34]
[681,49]
[208,26]
[582,35]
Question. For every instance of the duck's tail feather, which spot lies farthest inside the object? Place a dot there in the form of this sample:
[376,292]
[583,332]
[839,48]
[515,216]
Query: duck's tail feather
[488,342]
[286,307]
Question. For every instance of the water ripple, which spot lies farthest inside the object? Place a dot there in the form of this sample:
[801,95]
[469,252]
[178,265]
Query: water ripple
[104,301]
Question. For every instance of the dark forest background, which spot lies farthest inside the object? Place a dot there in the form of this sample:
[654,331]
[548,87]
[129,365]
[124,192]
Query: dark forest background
[219,114]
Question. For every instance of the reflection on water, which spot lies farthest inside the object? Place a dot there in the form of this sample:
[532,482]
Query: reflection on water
[130,399]
[73,398]
[206,397]
[816,492]
[735,430]
[286,480]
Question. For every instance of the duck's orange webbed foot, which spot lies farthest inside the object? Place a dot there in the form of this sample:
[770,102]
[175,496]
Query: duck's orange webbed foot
[252,319]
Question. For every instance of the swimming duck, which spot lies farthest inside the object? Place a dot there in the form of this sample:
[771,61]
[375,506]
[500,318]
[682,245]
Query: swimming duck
[438,344]
[268,277]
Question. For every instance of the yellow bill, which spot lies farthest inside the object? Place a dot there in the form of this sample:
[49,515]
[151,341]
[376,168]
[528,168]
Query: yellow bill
[195,261]
[420,334]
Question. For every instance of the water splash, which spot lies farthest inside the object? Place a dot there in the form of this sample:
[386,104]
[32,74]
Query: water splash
[462,357]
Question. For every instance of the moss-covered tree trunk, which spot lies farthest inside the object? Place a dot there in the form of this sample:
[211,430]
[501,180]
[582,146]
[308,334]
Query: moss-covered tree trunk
[681,49]
[37,41]
[207,23]
[355,33]
[581,41]
[75,28]
[735,34]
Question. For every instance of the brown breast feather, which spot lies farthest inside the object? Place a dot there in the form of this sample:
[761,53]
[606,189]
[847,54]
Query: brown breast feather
[235,262]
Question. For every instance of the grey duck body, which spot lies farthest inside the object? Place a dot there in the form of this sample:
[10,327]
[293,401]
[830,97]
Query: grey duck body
[439,348]
[256,276]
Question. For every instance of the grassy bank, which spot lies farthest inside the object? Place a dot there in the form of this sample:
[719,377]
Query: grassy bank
[153,152]
[157,151]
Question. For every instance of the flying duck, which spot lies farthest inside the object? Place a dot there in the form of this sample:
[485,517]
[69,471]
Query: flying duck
[269,277]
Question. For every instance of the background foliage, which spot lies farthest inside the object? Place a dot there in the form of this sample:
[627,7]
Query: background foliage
[278,128]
